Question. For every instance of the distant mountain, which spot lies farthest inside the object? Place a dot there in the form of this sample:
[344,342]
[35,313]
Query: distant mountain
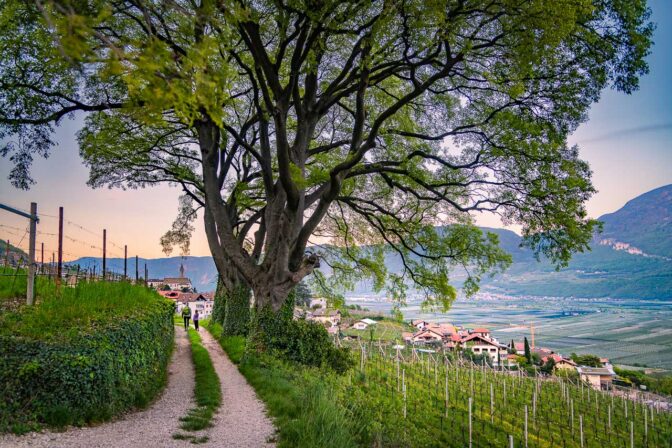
[632,258]
[201,270]
[644,224]
[15,255]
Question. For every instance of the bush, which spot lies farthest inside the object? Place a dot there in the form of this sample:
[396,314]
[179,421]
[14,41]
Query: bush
[95,351]
[296,340]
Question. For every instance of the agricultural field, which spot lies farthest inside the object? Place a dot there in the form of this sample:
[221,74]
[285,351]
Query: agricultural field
[384,330]
[629,332]
[420,399]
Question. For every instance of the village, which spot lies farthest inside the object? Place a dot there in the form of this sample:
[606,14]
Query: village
[477,344]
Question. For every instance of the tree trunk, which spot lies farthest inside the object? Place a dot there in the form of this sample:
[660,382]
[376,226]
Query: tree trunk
[233,293]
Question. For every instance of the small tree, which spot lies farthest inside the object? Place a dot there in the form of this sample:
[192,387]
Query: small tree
[165,288]
[302,294]
[528,352]
[548,367]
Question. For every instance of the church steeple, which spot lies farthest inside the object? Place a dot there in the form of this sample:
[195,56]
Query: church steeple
[181,270]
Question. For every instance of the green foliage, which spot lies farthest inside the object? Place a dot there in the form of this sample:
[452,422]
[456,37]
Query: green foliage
[548,367]
[219,308]
[528,353]
[236,311]
[300,341]
[207,391]
[89,354]
[662,385]
[586,360]
[302,294]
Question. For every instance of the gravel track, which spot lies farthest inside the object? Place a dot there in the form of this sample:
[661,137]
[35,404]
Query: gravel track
[241,421]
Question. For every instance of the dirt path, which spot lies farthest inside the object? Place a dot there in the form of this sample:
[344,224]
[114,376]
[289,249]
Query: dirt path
[242,420]
[152,427]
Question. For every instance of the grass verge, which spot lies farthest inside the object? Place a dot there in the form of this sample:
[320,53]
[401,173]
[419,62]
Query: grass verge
[297,397]
[207,392]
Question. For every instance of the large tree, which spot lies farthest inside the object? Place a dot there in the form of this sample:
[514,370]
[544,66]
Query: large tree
[369,122]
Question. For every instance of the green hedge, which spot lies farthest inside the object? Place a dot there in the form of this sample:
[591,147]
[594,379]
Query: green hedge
[94,368]
[237,311]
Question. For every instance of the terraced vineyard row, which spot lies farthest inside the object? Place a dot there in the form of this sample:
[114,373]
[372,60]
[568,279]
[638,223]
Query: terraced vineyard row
[429,400]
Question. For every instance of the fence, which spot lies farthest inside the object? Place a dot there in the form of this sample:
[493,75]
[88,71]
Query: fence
[73,251]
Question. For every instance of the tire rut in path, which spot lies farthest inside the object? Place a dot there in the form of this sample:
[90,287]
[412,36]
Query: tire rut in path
[242,420]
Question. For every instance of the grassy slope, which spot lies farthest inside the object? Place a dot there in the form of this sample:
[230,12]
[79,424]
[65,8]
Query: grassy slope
[73,311]
[299,399]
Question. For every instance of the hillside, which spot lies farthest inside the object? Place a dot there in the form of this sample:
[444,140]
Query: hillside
[644,223]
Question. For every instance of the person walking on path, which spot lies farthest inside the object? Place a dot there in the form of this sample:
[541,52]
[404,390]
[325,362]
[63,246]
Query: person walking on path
[196,319]
[186,315]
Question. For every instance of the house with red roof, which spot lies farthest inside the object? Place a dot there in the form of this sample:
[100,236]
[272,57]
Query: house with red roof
[560,361]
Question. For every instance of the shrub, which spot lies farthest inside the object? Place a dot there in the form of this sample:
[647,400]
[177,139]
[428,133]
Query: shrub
[296,340]
[93,352]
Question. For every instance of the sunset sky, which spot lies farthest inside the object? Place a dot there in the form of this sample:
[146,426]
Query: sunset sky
[628,143]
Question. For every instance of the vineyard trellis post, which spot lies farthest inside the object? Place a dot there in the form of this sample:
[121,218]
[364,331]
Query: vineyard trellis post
[30,287]
[59,270]
[125,261]
[104,252]
[136,269]
[32,216]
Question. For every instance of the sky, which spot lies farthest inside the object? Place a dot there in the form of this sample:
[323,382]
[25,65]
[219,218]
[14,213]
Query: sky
[627,141]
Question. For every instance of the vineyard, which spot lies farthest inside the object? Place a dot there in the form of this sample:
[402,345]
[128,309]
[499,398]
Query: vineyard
[425,399]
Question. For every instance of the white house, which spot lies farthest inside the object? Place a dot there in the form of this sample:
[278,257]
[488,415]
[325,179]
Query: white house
[363,324]
[177,283]
[483,345]
[420,324]
[598,377]
[329,318]
[203,303]
[318,302]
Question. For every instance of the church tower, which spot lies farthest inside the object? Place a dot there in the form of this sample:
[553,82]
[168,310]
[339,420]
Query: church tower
[181,270]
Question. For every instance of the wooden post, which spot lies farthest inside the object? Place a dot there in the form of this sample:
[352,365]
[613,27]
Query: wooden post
[510,441]
[104,252]
[146,274]
[136,269]
[125,261]
[471,401]
[59,266]
[581,429]
[525,426]
[42,261]
[492,404]
[30,290]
